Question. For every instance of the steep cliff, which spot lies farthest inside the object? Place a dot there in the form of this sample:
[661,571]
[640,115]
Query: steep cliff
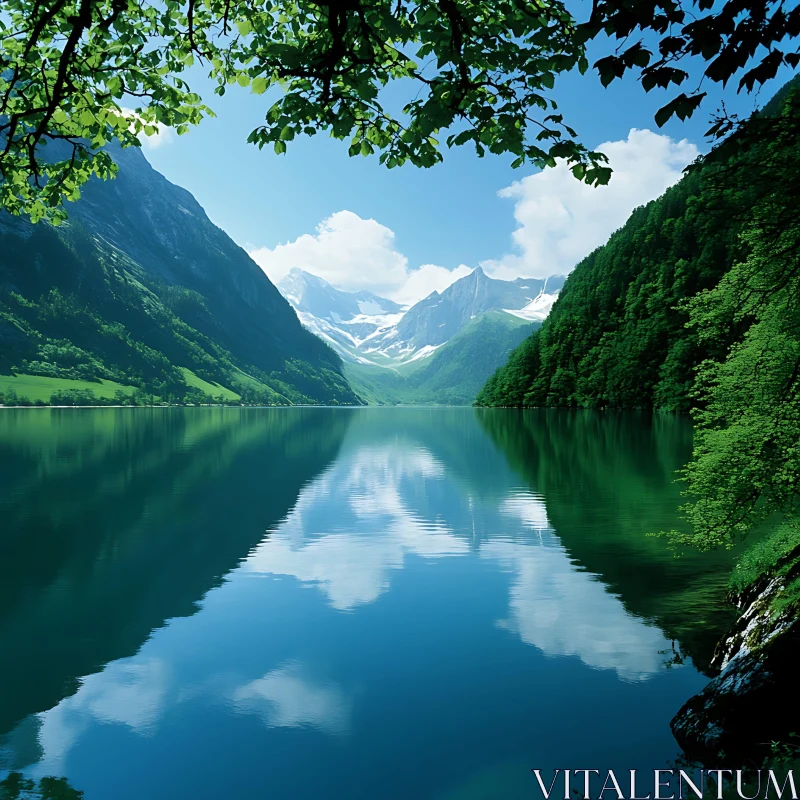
[143,290]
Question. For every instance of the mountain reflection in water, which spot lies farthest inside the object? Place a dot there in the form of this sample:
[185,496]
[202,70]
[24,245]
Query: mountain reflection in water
[290,602]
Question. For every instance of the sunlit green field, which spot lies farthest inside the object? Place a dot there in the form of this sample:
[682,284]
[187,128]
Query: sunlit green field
[212,389]
[39,387]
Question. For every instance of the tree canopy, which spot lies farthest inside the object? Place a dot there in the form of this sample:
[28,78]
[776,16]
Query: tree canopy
[695,305]
[76,74]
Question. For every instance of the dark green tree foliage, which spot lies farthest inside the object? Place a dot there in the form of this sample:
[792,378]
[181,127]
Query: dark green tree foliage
[707,317]
[82,73]
[618,336]
[615,337]
[746,464]
[72,308]
[18,787]
[141,287]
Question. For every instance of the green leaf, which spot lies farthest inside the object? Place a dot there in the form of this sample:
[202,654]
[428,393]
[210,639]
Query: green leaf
[663,114]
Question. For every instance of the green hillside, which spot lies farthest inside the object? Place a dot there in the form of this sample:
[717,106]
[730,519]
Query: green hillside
[140,298]
[617,335]
[454,374]
[695,304]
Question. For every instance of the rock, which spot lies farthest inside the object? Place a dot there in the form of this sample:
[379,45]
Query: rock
[755,699]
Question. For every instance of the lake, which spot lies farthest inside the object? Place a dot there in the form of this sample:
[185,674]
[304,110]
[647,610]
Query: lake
[343,603]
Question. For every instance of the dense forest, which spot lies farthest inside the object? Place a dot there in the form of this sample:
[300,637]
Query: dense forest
[104,331]
[620,334]
[695,305]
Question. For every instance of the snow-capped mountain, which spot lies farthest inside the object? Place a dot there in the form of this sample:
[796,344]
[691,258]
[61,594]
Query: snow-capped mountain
[345,320]
[369,329]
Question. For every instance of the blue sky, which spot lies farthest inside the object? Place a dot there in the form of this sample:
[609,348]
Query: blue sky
[450,215]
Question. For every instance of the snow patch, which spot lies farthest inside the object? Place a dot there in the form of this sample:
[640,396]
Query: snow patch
[536,310]
[424,352]
[370,307]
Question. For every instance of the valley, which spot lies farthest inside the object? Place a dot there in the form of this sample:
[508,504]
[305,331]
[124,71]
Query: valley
[140,299]
[441,350]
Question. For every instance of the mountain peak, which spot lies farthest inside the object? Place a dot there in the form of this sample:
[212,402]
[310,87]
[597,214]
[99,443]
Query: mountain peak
[308,277]
[476,276]
[366,328]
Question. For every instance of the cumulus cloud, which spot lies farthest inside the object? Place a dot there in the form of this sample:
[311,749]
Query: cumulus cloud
[352,566]
[162,136]
[561,220]
[426,279]
[128,692]
[356,254]
[552,604]
[286,698]
[565,611]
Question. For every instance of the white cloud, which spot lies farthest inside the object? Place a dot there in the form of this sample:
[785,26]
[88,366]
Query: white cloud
[348,251]
[285,698]
[353,565]
[552,605]
[428,278]
[127,692]
[356,254]
[162,136]
[561,220]
[565,611]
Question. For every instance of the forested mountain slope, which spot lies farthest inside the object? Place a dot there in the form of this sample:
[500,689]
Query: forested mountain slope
[695,303]
[617,335]
[140,295]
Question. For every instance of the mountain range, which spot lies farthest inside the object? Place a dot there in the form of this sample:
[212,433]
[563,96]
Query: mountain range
[140,298]
[367,329]
[440,350]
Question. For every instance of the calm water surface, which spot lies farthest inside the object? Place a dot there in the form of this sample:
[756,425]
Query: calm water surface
[342,603]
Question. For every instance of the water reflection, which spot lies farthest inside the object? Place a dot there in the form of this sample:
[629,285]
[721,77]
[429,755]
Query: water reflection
[286,698]
[239,596]
[379,524]
[129,693]
[116,520]
[565,612]
[350,555]
[16,787]
[609,479]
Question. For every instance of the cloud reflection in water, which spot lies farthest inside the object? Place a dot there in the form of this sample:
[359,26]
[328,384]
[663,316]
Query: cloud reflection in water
[553,605]
[350,529]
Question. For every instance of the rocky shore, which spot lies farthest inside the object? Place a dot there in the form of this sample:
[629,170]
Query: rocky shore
[755,698]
